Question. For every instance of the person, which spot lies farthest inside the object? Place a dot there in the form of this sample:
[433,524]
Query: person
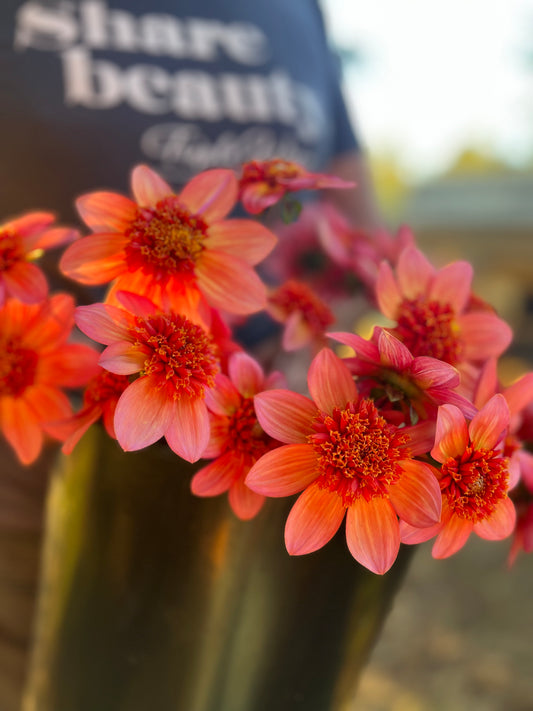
[92,87]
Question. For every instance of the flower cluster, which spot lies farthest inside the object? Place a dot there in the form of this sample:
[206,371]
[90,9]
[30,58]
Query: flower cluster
[405,436]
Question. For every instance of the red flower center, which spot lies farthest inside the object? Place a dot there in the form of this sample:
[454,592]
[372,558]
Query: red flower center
[104,388]
[182,356]
[357,451]
[17,368]
[165,240]
[11,250]
[270,171]
[245,434]
[428,328]
[296,296]
[475,483]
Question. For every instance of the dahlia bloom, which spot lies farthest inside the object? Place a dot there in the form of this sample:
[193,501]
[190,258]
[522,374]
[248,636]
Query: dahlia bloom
[421,382]
[176,360]
[237,439]
[432,311]
[174,249]
[347,460]
[23,240]
[304,315]
[474,479]
[36,362]
[263,183]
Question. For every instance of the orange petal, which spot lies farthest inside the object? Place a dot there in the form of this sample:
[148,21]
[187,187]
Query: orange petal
[452,537]
[69,366]
[48,403]
[21,429]
[106,212]
[414,272]
[230,284]
[223,398]
[96,259]
[29,224]
[417,498]
[452,285]
[188,431]
[330,382]
[451,435]
[212,194]
[373,533]
[313,521]
[244,502]
[142,416]
[148,187]
[283,471]
[388,294]
[122,358]
[246,239]
[489,424]
[26,282]
[246,373]
[284,415]
[501,524]
[216,477]
[103,323]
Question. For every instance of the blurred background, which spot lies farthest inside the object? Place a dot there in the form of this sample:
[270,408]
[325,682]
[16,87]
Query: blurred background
[442,93]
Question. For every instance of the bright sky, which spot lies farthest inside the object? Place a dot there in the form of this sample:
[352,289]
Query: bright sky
[439,75]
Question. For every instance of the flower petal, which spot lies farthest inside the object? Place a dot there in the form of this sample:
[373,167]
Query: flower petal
[21,429]
[388,294]
[373,533]
[142,416]
[330,382]
[96,259]
[188,431]
[148,187]
[223,398]
[500,524]
[246,374]
[489,424]
[417,498]
[211,194]
[313,521]
[69,366]
[283,471]
[229,283]
[103,323]
[122,358]
[247,239]
[26,282]
[431,372]
[451,437]
[216,477]
[106,212]
[394,354]
[284,415]
[452,285]
[364,349]
[452,537]
[414,272]
[483,335]
[244,502]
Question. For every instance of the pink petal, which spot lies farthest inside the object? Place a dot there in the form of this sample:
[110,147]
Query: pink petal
[223,398]
[229,283]
[216,477]
[246,373]
[96,259]
[488,425]
[188,431]
[103,323]
[414,273]
[283,471]
[29,224]
[373,533]
[137,304]
[452,285]
[106,212]
[452,537]
[296,333]
[284,415]
[431,372]
[148,187]
[143,414]
[393,352]
[211,194]
[330,382]
[500,524]
[484,335]
[367,350]
[519,394]
[417,497]
[54,238]
[411,535]
[26,282]
[21,429]
[451,437]
[244,502]
[122,358]
[388,294]
[246,239]
[313,521]
[218,437]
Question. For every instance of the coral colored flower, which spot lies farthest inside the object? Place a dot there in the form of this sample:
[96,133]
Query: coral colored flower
[176,360]
[171,247]
[419,382]
[304,314]
[347,459]
[474,479]
[263,183]
[431,310]
[100,399]
[35,363]
[237,439]
[23,240]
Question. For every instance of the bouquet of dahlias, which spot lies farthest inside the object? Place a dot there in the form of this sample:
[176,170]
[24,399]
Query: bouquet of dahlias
[406,435]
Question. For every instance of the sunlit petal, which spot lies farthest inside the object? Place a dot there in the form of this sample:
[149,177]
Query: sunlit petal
[313,521]
[373,533]
[283,471]
[284,415]
[330,382]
